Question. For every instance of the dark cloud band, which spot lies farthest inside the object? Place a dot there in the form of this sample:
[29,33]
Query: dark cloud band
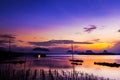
[55,42]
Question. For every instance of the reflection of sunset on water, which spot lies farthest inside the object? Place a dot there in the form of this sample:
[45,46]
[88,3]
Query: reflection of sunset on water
[62,63]
[89,67]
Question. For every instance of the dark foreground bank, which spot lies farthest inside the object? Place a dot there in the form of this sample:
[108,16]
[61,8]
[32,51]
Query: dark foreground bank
[11,74]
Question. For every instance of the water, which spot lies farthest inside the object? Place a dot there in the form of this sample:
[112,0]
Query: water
[61,62]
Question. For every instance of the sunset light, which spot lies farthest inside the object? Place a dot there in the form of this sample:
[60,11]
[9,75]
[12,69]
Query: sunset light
[59,39]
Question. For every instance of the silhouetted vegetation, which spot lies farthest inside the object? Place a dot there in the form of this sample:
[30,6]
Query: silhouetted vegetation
[8,55]
[41,49]
[12,62]
[107,64]
[12,74]
[41,52]
[90,52]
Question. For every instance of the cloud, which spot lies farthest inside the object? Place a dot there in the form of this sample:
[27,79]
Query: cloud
[96,40]
[119,30]
[20,41]
[3,41]
[7,36]
[59,49]
[115,48]
[55,42]
[90,28]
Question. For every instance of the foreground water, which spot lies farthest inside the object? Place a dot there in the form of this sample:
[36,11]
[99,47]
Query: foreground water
[61,62]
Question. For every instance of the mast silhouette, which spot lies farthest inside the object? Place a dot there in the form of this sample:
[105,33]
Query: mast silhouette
[73,59]
[9,44]
[72,51]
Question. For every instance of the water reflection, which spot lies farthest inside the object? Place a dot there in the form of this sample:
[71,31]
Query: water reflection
[51,63]
[63,63]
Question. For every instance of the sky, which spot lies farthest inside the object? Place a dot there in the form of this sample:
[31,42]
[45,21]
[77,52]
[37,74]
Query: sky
[55,24]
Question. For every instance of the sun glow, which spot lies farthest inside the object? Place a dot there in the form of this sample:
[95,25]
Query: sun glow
[95,46]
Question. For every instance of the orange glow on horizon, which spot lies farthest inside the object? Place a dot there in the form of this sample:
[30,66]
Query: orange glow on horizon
[96,46]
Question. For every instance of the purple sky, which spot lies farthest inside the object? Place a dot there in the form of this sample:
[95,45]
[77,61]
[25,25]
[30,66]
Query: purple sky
[77,20]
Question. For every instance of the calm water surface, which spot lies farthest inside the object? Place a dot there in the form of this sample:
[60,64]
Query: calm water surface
[61,62]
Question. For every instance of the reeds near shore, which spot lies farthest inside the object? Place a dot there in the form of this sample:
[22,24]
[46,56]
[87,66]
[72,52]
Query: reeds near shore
[8,74]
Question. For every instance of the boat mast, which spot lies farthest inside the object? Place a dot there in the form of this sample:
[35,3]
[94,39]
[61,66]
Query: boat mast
[72,51]
[9,44]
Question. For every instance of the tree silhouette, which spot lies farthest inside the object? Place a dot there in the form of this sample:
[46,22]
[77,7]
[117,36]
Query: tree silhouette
[41,49]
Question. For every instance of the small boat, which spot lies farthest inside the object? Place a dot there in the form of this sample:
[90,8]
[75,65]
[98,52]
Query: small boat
[76,60]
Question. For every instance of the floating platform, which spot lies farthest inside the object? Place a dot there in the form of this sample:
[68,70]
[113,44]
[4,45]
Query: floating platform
[107,64]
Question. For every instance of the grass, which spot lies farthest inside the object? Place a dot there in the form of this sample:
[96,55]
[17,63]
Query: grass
[12,74]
